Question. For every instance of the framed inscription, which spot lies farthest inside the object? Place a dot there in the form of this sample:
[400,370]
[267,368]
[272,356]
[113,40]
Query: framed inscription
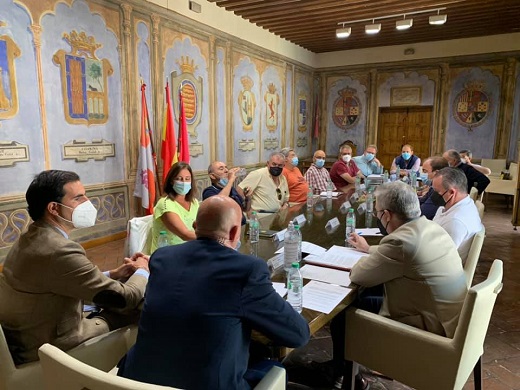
[405,96]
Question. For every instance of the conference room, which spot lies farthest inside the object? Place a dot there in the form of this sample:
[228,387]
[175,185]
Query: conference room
[114,90]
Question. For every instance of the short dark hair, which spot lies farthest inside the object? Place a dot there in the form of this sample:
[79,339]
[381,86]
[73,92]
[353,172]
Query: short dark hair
[172,174]
[467,152]
[437,163]
[47,187]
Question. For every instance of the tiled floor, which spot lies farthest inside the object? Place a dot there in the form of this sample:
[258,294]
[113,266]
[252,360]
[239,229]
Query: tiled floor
[501,360]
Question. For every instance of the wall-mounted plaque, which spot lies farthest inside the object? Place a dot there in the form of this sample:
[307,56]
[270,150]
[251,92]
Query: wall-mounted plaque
[301,142]
[246,145]
[12,152]
[81,150]
[196,149]
[270,143]
[405,96]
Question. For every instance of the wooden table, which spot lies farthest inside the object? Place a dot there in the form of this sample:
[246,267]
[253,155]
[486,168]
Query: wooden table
[313,230]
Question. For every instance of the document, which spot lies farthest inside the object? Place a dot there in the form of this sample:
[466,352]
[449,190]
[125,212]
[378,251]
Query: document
[337,257]
[323,297]
[324,274]
[369,232]
[280,288]
[308,247]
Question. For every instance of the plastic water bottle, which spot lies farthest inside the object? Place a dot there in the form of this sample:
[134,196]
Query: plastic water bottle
[398,172]
[291,246]
[329,189]
[299,234]
[358,184]
[385,175]
[351,226]
[310,197]
[162,241]
[294,287]
[254,233]
[370,202]
[413,179]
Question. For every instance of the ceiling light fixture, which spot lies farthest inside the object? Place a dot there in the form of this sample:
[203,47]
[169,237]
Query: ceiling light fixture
[373,28]
[343,32]
[404,24]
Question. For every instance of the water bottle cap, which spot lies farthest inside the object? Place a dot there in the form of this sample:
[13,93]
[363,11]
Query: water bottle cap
[162,232]
[253,213]
[297,227]
[351,209]
[295,265]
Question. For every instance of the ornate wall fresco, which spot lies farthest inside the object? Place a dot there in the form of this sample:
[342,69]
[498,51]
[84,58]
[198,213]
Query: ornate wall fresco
[21,142]
[346,113]
[406,89]
[288,104]
[143,55]
[515,133]
[474,102]
[303,114]
[221,106]
[271,111]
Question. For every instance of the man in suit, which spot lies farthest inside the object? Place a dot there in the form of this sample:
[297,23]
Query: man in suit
[46,275]
[416,263]
[202,302]
[474,177]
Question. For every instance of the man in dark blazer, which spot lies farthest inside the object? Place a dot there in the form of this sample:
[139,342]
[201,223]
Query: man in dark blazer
[47,276]
[202,302]
[474,177]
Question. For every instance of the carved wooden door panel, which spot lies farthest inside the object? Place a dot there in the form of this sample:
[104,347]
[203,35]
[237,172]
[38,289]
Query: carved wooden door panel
[404,125]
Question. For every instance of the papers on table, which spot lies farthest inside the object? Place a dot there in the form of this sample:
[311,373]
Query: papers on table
[334,194]
[327,275]
[308,247]
[280,288]
[323,297]
[369,232]
[336,257]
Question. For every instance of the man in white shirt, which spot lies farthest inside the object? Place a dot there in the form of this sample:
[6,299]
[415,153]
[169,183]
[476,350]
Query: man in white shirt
[457,213]
[465,158]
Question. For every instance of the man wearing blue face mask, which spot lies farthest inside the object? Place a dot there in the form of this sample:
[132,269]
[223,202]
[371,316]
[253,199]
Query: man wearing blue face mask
[430,167]
[222,183]
[298,187]
[407,161]
[367,163]
[317,176]
[46,275]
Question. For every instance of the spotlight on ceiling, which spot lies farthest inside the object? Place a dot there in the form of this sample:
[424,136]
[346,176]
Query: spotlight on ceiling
[403,24]
[343,32]
[438,19]
[373,28]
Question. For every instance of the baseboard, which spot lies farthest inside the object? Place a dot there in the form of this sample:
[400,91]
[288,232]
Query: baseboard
[103,240]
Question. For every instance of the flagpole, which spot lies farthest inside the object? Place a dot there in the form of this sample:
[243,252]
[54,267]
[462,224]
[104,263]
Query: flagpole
[158,186]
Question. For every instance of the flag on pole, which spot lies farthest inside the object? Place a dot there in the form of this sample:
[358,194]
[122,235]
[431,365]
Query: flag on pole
[184,146]
[316,134]
[168,146]
[145,177]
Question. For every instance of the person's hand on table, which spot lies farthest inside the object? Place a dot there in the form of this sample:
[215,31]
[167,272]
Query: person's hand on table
[358,242]
[125,270]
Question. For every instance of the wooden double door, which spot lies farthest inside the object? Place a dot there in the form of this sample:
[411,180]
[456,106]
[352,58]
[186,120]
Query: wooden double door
[403,125]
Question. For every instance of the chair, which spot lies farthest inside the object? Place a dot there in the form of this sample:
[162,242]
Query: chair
[497,165]
[138,238]
[480,208]
[474,255]
[63,371]
[26,376]
[473,194]
[421,359]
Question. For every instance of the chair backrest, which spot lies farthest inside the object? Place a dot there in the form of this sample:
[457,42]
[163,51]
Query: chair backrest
[480,208]
[23,377]
[473,194]
[513,171]
[474,321]
[473,255]
[138,237]
[496,165]
[62,371]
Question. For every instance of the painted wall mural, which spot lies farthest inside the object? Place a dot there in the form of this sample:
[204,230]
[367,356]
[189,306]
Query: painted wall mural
[247,103]
[472,121]
[221,105]
[406,89]
[515,134]
[8,89]
[271,126]
[302,114]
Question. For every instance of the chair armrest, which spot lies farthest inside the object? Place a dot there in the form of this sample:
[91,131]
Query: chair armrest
[383,344]
[273,380]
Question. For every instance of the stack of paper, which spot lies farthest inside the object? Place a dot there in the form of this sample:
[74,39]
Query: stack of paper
[336,257]
[323,297]
[308,247]
[327,275]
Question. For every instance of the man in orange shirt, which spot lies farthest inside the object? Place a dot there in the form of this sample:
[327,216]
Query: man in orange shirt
[298,187]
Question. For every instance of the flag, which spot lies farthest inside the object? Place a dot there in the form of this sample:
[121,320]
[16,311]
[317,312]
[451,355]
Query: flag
[184,146]
[316,134]
[145,177]
[168,146]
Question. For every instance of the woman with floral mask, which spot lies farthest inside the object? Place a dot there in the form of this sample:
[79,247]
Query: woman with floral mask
[176,211]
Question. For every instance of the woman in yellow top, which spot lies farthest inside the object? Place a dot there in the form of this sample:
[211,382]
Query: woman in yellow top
[176,211]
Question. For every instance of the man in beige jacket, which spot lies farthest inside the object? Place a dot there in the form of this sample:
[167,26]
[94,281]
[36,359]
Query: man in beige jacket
[47,276]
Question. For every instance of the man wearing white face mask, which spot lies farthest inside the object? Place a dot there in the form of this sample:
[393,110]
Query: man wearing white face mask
[46,275]
[367,163]
[345,170]
[298,187]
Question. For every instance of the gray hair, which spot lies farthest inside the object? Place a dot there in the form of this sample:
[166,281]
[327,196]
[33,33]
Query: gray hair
[286,151]
[273,154]
[345,146]
[399,198]
[467,152]
[453,155]
[454,178]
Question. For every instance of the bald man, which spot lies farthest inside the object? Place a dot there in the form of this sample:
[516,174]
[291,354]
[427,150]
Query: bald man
[317,175]
[203,300]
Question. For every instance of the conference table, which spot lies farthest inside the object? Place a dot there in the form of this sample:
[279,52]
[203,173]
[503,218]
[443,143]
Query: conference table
[314,231]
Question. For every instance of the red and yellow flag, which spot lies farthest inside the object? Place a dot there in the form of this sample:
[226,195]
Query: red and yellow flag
[145,177]
[168,146]
[184,142]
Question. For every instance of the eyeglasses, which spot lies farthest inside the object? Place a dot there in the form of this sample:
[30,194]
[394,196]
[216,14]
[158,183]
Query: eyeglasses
[374,213]
[279,193]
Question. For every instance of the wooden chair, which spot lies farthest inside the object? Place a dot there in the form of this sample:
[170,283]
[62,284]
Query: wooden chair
[421,359]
